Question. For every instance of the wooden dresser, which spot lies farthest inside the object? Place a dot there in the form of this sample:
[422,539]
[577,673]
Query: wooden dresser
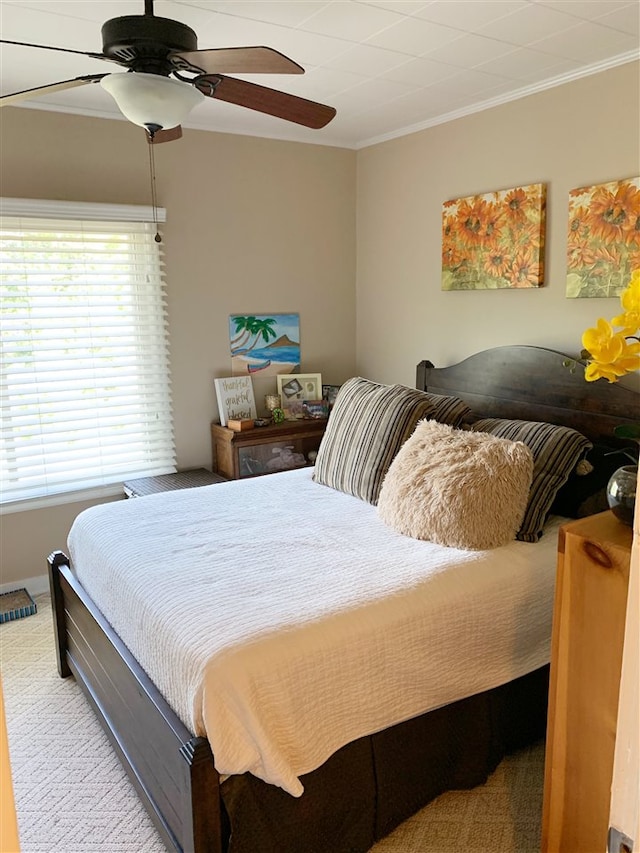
[586,659]
[263,450]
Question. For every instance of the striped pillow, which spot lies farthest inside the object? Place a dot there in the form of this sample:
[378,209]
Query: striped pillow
[368,425]
[449,410]
[556,452]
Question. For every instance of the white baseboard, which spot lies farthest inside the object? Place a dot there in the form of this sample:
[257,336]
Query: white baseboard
[34,586]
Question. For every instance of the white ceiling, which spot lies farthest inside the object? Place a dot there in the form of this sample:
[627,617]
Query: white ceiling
[389,67]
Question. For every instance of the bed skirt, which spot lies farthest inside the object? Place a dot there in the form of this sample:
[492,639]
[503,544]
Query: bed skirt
[375,783]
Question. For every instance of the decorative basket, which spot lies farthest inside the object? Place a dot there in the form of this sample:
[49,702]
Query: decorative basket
[16,605]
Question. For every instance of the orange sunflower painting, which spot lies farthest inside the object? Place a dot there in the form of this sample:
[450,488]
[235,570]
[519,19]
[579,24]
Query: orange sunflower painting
[603,244]
[495,240]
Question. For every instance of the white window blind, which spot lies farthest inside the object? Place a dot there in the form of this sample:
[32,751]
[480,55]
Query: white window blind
[84,373]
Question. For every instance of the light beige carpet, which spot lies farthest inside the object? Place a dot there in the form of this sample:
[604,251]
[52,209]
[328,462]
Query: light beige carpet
[73,797]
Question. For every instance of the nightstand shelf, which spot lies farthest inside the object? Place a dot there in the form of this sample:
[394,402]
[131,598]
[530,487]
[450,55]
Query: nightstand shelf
[265,450]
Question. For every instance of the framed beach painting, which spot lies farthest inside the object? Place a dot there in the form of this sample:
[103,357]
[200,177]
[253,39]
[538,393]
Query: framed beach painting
[603,240]
[264,344]
[296,388]
[495,240]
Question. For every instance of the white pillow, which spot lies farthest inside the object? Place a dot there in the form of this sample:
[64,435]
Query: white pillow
[457,488]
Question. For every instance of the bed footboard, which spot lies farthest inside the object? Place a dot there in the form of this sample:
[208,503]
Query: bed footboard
[172,770]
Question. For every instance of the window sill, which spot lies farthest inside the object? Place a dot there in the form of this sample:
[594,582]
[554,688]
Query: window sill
[79,496]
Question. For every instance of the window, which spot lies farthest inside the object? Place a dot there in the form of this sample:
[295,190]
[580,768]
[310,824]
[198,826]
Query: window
[84,375]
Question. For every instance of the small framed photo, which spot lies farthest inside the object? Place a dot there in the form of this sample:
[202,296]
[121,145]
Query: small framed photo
[293,388]
[329,393]
[315,409]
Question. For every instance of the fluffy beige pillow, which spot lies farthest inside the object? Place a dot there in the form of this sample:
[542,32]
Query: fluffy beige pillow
[457,488]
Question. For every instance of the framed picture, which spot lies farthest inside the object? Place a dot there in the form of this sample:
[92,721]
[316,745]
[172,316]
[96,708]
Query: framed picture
[264,344]
[315,409]
[603,241]
[235,398]
[329,393]
[495,240]
[293,388]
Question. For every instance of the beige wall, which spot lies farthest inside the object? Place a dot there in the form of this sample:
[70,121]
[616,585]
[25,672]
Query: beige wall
[578,134]
[252,225]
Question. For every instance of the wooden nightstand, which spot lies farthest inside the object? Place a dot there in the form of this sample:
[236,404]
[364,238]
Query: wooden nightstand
[265,450]
[594,556]
[170,482]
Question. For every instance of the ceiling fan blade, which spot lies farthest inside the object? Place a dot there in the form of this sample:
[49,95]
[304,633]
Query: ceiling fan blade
[26,94]
[236,60]
[264,100]
[62,50]
[164,135]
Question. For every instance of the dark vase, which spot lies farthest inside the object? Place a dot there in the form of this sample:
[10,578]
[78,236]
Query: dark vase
[621,493]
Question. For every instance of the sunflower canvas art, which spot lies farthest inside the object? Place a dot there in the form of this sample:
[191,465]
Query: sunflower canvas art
[603,243]
[495,240]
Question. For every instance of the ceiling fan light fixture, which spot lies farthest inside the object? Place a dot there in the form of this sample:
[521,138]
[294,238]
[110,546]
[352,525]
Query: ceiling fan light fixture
[152,100]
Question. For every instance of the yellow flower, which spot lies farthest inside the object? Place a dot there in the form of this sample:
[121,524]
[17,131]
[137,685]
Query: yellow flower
[627,362]
[609,352]
[602,343]
[630,300]
[594,370]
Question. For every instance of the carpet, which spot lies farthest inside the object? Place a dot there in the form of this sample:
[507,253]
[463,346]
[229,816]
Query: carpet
[72,795]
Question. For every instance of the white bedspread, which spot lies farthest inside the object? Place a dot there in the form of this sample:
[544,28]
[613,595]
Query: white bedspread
[281,619]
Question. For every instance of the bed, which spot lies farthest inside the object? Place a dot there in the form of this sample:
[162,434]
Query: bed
[318,789]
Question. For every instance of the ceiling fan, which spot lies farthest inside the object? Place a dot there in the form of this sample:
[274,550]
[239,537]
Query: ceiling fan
[167,76]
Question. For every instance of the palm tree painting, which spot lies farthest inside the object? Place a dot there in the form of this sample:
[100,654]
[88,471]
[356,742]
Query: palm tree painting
[264,344]
[603,241]
[495,240]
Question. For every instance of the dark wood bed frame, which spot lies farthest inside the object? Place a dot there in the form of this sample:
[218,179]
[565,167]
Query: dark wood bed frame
[173,771]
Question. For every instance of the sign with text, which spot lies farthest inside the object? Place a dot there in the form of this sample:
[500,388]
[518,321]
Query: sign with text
[235,398]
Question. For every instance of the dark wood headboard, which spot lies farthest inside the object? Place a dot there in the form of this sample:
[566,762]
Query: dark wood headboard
[531,383]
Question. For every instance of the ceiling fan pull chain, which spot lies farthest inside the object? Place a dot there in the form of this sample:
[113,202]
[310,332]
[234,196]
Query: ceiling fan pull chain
[152,176]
